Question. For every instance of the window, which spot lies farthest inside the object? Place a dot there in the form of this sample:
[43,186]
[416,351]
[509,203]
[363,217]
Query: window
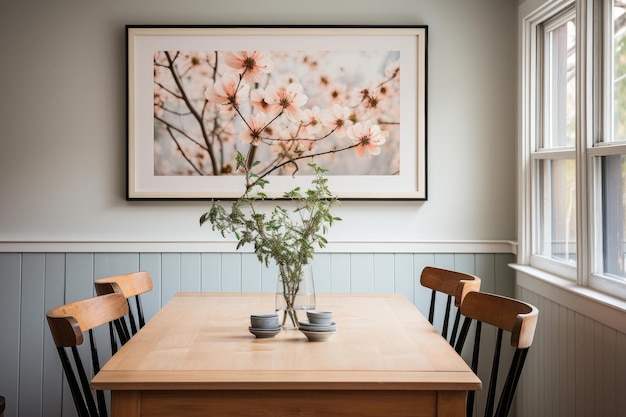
[609,151]
[575,114]
[554,150]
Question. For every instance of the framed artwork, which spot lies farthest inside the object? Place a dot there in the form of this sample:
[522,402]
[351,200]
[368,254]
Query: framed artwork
[349,99]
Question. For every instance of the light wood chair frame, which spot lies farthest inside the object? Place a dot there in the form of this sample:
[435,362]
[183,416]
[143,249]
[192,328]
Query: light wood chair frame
[67,324]
[456,285]
[506,314]
[130,286]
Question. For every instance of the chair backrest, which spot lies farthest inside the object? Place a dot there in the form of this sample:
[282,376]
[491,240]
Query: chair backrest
[68,323]
[130,286]
[505,314]
[455,285]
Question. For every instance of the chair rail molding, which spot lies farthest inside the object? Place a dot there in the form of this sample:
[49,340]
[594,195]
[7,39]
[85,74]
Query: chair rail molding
[452,246]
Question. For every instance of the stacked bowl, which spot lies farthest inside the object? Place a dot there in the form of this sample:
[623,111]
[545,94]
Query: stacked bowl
[264,325]
[319,326]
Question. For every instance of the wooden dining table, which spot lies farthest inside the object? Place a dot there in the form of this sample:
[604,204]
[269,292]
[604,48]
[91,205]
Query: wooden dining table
[196,357]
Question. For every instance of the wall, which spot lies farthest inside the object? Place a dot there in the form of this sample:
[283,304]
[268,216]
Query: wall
[64,220]
[62,164]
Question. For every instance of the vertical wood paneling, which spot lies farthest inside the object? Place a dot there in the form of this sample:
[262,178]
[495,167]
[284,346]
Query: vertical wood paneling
[211,272]
[576,366]
[340,272]
[170,278]
[250,273]
[581,359]
[151,301]
[404,278]
[422,294]
[384,271]
[362,272]
[620,370]
[31,333]
[52,373]
[10,295]
[231,272]
[321,272]
[190,272]
[109,264]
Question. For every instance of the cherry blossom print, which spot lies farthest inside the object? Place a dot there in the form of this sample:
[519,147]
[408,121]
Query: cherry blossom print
[228,91]
[252,128]
[290,106]
[338,119]
[393,69]
[311,120]
[252,65]
[368,137]
[287,99]
[257,100]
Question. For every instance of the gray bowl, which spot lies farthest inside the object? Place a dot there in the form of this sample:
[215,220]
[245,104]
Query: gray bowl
[264,321]
[324,318]
[264,333]
[314,336]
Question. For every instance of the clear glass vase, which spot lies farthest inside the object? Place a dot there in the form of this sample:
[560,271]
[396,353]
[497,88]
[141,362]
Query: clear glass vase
[295,293]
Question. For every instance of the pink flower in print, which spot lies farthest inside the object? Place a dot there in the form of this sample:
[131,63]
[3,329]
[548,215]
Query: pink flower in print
[228,91]
[368,137]
[257,99]
[311,120]
[393,69]
[286,99]
[252,128]
[337,118]
[250,64]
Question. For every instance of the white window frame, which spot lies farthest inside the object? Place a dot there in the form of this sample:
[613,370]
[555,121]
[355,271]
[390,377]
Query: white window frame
[589,127]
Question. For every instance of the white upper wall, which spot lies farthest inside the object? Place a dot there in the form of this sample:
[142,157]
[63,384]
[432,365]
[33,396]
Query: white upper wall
[62,112]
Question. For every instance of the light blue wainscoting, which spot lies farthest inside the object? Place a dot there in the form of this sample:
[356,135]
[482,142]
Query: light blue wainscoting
[32,283]
[576,366]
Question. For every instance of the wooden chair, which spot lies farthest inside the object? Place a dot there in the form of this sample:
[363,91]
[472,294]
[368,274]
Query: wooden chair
[68,323]
[129,285]
[505,314]
[456,285]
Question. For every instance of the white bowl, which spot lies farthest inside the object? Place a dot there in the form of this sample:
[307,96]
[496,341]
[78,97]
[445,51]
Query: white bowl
[316,336]
[264,333]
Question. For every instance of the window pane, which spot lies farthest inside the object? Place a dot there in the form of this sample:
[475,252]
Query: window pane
[560,85]
[557,210]
[613,213]
[619,70]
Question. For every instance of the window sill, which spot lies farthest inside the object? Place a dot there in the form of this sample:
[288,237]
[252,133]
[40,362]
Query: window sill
[598,306]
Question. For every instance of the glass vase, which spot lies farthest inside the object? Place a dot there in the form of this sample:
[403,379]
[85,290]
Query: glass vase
[295,293]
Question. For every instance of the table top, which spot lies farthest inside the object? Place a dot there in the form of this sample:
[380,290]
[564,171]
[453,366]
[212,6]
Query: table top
[201,341]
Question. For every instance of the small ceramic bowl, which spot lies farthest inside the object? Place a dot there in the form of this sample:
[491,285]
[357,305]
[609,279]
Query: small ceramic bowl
[314,336]
[324,318]
[306,325]
[264,321]
[264,333]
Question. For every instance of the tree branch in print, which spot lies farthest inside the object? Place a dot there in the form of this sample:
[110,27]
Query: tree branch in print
[277,108]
